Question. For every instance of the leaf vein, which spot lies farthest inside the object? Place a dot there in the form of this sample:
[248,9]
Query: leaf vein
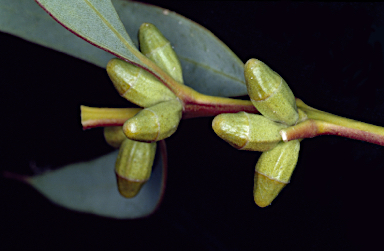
[110,26]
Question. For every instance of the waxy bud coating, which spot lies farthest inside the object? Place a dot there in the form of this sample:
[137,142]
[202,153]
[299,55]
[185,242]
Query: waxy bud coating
[273,171]
[158,49]
[133,166]
[137,85]
[247,131]
[269,93]
[114,135]
[154,123]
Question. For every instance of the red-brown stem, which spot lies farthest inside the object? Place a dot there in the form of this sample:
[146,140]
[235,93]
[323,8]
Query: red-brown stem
[323,123]
[212,106]
[163,152]
[92,117]
[312,128]
[306,129]
[331,129]
[103,123]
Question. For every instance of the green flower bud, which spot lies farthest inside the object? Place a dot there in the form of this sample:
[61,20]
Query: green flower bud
[133,166]
[114,135]
[273,171]
[247,131]
[137,85]
[269,93]
[154,123]
[158,49]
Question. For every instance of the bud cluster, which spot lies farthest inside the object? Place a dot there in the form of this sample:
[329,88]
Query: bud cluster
[158,120]
[163,110]
[273,98]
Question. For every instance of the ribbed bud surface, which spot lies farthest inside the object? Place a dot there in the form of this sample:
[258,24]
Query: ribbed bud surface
[247,131]
[158,49]
[233,128]
[262,81]
[274,170]
[269,93]
[137,85]
[265,190]
[128,188]
[154,123]
[133,166]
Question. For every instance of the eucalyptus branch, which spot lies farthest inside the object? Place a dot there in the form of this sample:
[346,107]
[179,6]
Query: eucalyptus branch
[152,78]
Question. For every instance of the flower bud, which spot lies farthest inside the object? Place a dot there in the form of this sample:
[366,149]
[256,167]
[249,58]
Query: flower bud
[247,131]
[137,85]
[154,123]
[133,166]
[269,93]
[273,171]
[158,49]
[114,135]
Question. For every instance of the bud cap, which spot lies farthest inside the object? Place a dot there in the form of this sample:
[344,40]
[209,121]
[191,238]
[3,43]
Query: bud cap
[154,123]
[265,190]
[273,171]
[262,81]
[133,166]
[137,85]
[269,93]
[158,49]
[247,131]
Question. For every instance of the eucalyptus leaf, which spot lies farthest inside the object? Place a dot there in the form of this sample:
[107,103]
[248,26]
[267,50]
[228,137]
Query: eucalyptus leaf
[91,187]
[26,19]
[209,66]
[94,21]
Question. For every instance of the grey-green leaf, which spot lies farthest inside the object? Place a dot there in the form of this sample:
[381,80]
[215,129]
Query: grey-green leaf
[95,21]
[26,19]
[91,187]
[209,66]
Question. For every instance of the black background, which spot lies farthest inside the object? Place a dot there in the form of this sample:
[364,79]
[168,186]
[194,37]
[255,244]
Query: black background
[331,55]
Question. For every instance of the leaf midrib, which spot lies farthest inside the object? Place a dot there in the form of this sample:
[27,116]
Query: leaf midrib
[110,26]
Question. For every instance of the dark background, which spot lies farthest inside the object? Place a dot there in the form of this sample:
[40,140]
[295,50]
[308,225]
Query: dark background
[331,55]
